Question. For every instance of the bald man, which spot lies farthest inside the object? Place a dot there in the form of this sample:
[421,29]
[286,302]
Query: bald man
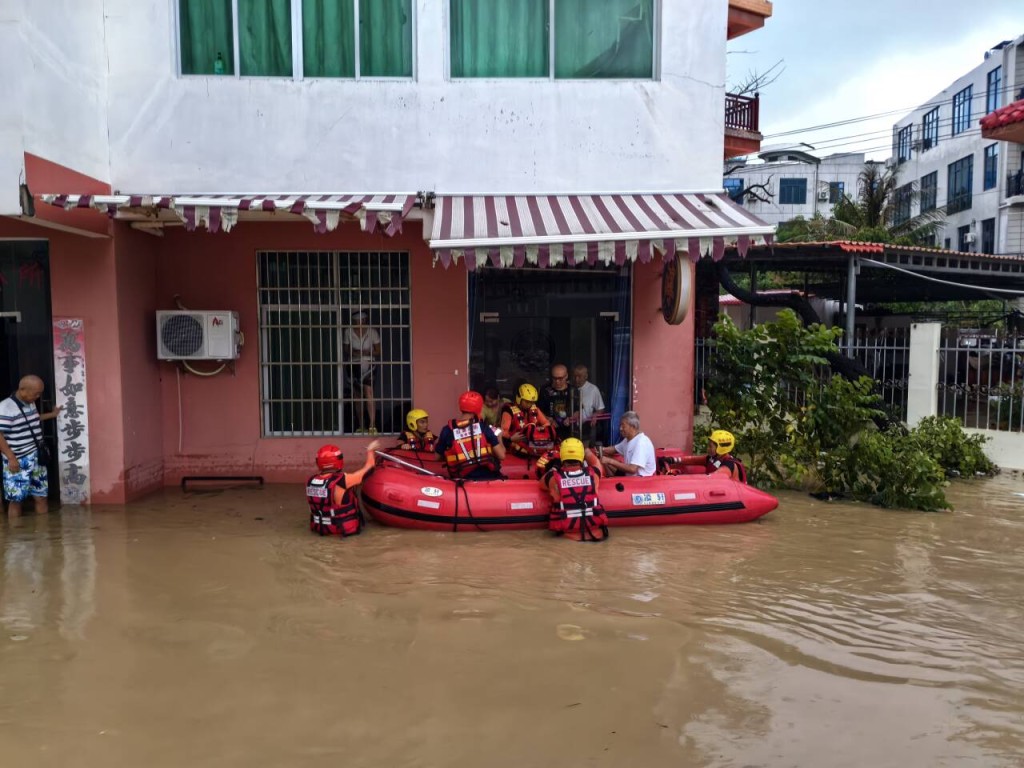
[560,401]
[21,435]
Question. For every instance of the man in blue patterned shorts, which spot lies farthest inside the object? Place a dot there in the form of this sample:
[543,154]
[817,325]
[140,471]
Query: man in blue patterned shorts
[21,437]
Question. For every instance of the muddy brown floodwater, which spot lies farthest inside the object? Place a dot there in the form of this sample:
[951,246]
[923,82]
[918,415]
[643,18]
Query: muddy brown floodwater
[212,628]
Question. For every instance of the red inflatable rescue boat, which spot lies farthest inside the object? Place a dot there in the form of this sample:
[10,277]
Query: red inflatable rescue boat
[404,498]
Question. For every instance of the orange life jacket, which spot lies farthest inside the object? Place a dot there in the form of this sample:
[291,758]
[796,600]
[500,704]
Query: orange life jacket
[520,418]
[469,449]
[327,517]
[418,443]
[715,463]
[578,509]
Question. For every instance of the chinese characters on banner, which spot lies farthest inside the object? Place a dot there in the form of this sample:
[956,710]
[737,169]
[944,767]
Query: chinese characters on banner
[73,424]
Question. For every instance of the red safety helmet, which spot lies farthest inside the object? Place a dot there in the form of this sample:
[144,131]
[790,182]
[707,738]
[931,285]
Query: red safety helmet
[330,457]
[471,402]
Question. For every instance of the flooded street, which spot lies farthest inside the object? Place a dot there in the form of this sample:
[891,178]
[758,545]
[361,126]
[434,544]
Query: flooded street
[212,628]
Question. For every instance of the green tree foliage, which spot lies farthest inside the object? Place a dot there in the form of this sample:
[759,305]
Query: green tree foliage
[798,427]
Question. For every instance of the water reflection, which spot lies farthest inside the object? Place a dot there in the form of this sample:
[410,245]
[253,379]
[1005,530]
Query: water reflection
[828,634]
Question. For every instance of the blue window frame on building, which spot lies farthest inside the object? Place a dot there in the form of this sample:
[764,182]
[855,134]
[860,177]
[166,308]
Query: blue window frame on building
[962,110]
[836,191]
[904,195]
[960,183]
[735,189]
[929,191]
[991,165]
[903,136]
[994,83]
[792,191]
[930,129]
[988,236]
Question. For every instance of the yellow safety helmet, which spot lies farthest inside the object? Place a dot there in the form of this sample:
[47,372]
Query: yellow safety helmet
[724,441]
[571,449]
[413,416]
[527,392]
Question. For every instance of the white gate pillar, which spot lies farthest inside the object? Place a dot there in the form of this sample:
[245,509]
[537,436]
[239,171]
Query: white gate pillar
[923,371]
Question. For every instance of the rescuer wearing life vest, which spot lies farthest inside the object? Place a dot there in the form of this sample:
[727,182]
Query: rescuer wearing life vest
[516,416]
[469,447]
[575,509]
[332,503]
[417,436]
[719,459]
[552,459]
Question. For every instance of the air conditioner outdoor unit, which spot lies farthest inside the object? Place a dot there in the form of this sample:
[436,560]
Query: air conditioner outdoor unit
[970,238]
[823,197]
[915,145]
[189,335]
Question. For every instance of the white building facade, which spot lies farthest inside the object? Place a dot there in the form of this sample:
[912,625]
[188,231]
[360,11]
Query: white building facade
[943,162]
[793,182]
[112,94]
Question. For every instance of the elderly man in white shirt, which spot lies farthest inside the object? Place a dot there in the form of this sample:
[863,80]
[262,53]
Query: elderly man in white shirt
[591,401]
[635,453]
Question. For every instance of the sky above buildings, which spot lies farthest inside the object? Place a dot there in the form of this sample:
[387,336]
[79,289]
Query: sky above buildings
[848,60]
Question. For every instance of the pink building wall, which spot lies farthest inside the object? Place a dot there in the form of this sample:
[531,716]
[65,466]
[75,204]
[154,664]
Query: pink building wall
[217,428]
[662,363]
[144,434]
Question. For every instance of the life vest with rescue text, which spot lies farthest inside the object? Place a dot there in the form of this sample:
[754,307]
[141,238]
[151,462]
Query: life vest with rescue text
[325,516]
[578,508]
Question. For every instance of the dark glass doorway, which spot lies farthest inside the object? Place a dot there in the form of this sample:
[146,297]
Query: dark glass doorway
[26,330]
[523,321]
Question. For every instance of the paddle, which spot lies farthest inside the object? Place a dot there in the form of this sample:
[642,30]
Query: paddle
[405,463]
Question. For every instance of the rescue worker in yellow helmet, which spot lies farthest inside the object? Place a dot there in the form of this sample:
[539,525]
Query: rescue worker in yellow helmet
[516,416]
[417,435]
[719,459]
[575,510]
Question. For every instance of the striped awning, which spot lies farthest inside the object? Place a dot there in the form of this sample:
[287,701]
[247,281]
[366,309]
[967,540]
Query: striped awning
[549,230]
[384,213]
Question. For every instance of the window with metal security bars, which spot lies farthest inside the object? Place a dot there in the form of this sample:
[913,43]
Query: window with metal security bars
[334,342]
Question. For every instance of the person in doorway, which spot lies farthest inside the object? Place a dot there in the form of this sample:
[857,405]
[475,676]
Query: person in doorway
[590,400]
[719,459]
[468,446]
[417,435]
[560,401]
[330,492]
[362,349]
[493,403]
[21,442]
[515,417]
[635,454]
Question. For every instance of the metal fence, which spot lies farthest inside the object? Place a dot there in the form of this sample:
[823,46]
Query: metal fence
[884,354]
[980,379]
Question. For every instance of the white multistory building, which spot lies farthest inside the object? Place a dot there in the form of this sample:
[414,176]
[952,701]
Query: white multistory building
[944,162]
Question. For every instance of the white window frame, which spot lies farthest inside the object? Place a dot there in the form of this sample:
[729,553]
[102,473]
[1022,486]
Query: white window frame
[656,44]
[297,49]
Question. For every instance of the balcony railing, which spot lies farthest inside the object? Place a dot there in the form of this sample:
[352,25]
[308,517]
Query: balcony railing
[1015,184]
[741,112]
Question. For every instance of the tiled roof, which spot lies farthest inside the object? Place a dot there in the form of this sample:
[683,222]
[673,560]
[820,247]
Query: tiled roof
[1008,115]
